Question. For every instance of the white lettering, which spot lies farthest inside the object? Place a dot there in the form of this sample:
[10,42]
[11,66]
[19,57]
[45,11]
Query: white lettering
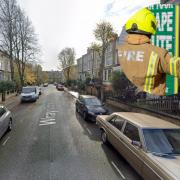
[120,53]
[164,42]
[158,22]
[131,55]
[140,56]
[164,20]
[169,21]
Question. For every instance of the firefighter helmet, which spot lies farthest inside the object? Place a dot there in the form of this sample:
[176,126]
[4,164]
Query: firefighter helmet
[142,22]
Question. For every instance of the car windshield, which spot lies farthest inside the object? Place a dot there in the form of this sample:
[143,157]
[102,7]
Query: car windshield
[92,102]
[162,141]
[28,90]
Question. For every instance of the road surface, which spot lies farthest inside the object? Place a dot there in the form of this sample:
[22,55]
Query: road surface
[49,141]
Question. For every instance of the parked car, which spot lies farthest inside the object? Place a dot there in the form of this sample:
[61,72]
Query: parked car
[29,93]
[90,107]
[60,87]
[150,145]
[5,120]
[45,84]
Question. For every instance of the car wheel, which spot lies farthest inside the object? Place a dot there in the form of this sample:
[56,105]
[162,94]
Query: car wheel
[104,137]
[76,109]
[84,116]
[10,125]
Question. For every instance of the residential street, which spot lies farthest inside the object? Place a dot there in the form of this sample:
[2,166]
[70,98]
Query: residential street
[49,141]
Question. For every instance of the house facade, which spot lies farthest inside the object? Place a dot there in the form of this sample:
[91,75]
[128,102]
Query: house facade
[5,70]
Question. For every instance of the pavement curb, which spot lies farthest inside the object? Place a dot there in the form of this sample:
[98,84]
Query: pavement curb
[70,93]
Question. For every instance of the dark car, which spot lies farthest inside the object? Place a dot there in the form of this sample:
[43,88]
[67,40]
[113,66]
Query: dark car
[89,107]
[60,87]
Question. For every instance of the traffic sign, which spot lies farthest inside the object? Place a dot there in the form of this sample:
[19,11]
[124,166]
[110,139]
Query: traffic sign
[167,36]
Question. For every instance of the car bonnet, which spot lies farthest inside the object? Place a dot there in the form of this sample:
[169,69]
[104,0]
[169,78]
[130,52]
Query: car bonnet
[170,164]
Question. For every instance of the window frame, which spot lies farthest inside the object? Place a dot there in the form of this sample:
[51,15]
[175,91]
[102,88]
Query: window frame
[123,129]
[115,117]
[5,110]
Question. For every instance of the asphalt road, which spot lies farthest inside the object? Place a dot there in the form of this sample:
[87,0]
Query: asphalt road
[49,141]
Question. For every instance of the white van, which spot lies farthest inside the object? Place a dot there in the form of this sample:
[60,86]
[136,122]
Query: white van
[29,93]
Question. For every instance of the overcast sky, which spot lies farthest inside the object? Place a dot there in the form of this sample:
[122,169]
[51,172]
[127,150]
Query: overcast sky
[70,23]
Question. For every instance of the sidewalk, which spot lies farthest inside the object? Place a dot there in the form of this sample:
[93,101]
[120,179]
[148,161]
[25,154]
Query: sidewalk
[11,102]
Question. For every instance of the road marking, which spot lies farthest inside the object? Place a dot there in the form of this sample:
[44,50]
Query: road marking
[50,116]
[46,123]
[47,120]
[117,169]
[54,111]
[89,131]
[4,143]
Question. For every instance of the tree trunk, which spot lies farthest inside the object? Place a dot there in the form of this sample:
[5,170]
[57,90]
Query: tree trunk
[101,76]
[3,96]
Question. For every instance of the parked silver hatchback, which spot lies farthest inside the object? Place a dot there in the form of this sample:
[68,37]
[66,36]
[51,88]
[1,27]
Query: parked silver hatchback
[5,120]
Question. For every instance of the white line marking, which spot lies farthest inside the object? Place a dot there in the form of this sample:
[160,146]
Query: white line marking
[117,169]
[89,131]
[52,119]
[4,143]
[53,111]
[47,120]
[47,123]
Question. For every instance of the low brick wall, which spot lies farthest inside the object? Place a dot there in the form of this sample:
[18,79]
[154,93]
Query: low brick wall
[132,108]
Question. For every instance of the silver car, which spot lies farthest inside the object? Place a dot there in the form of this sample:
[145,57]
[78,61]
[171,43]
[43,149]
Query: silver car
[5,120]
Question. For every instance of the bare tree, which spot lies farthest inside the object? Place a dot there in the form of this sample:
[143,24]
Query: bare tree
[8,14]
[25,43]
[67,59]
[104,33]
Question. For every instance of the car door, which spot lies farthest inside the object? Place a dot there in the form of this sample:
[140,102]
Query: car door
[114,132]
[3,122]
[131,152]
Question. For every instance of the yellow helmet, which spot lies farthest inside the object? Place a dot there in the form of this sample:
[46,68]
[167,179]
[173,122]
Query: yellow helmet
[142,22]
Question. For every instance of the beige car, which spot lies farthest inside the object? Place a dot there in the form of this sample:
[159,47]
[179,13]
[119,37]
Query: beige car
[151,145]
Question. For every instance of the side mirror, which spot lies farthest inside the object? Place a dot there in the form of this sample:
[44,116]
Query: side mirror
[136,143]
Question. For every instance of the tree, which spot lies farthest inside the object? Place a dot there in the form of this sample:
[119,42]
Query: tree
[67,59]
[8,13]
[104,33]
[38,73]
[30,77]
[6,86]
[17,38]
[25,43]
[45,77]
[122,85]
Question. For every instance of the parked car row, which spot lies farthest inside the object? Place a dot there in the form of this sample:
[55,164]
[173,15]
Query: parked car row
[150,145]
[30,93]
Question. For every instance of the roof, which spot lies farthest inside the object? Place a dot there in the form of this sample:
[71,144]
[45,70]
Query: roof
[88,96]
[146,121]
